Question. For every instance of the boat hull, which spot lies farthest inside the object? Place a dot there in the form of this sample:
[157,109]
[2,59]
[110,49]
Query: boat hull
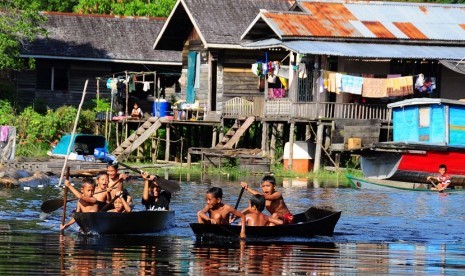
[413,163]
[390,185]
[314,222]
[125,223]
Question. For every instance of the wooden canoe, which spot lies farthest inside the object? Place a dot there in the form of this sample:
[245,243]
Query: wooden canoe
[313,222]
[383,184]
[125,223]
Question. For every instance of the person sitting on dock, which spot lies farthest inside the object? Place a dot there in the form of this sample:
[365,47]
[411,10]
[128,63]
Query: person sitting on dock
[136,111]
[87,202]
[102,193]
[153,198]
[115,181]
[120,204]
[218,212]
[255,217]
[274,200]
[443,179]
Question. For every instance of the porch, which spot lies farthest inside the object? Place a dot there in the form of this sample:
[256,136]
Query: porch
[285,110]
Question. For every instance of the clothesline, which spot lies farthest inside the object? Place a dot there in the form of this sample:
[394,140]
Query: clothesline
[368,87]
[356,74]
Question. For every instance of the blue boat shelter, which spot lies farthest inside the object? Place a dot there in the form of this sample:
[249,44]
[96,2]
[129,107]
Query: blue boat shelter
[429,121]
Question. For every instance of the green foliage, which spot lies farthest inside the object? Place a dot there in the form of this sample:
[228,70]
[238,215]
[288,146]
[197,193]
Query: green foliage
[86,123]
[7,114]
[35,131]
[57,5]
[19,25]
[101,105]
[154,8]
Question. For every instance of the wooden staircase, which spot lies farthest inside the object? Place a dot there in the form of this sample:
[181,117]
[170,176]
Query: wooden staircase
[137,138]
[235,132]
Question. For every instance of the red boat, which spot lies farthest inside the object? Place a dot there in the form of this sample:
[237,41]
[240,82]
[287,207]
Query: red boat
[426,133]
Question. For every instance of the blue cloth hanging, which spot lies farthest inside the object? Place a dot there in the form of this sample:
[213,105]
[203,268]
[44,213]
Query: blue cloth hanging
[191,62]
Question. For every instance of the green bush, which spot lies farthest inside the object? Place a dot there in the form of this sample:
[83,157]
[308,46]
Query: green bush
[35,131]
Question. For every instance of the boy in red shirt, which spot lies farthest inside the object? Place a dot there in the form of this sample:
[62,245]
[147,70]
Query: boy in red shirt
[443,179]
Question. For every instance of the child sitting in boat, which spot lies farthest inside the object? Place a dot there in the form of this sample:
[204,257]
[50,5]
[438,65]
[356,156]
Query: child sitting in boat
[255,217]
[218,212]
[120,204]
[102,193]
[274,200]
[115,182]
[153,198]
[87,202]
[443,179]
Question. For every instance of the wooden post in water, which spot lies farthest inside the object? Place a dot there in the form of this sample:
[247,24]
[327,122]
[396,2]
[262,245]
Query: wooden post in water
[319,141]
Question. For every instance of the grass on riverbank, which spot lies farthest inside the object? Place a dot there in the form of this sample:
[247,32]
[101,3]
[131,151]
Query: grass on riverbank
[234,171]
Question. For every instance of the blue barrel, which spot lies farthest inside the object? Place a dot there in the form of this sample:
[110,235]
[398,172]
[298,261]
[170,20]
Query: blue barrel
[161,108]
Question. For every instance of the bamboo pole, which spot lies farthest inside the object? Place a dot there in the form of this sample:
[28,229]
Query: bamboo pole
[73,132]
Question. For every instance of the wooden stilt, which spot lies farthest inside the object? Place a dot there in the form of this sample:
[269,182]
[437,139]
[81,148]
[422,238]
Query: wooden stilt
[265,137]
[291,145]
[308,133]
[273,143]
[168,142]
[214,134]
[221,130]
[189,159]
[319,141]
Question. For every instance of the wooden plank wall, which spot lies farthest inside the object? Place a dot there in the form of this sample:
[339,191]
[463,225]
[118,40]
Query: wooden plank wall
[78,73]
[367,130]
[238,79]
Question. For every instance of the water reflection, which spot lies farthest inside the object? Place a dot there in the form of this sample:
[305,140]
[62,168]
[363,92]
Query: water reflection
[378,233]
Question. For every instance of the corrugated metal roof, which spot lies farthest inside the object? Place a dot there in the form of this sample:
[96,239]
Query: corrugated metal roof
[363,50]
[416,21]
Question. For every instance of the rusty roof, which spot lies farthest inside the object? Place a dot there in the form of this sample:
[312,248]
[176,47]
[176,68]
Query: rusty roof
[373,20]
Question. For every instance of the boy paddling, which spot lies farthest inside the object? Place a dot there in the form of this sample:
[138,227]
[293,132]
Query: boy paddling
[443,179]
[274,200]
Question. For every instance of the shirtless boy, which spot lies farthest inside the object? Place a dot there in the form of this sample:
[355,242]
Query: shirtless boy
[115,181]
[255,217]
[218,212]
[102,194]
[87,202]
[274,200]
[120,204]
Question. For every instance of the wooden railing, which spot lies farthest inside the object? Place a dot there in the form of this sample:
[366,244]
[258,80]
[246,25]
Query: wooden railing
[340,111]
[237,106]
[278,108]
[284,108]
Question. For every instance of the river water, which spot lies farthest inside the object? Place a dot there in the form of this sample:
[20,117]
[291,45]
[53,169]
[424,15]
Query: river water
[378,233]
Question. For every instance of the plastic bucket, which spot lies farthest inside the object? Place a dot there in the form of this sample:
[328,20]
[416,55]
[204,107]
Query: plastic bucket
[161,108]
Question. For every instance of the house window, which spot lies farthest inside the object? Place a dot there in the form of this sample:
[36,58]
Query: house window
[52,78]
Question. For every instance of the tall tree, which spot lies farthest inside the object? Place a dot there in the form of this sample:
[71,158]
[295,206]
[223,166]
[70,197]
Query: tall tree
[19,25]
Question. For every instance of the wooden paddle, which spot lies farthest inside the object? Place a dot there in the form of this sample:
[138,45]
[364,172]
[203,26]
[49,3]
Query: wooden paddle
[432,182]
[63,217]
[238,200]
[55,204]
[165,184]
[435,186]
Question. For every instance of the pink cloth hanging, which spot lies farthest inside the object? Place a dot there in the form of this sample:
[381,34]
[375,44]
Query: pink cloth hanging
[4,133]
